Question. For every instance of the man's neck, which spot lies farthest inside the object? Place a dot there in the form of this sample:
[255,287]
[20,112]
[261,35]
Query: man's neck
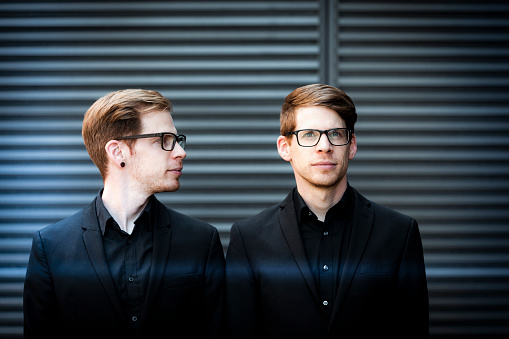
[321,199]
[124,205]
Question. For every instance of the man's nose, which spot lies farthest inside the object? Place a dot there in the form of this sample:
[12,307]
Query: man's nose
[178,151]
[323,144]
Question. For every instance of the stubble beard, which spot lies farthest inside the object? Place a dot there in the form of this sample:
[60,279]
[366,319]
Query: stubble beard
[161,185]
[161,188]
[329,183]
[152,185]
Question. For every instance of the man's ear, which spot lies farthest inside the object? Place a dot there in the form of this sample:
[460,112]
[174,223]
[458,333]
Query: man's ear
[283,148]
[353,147]
[115,151]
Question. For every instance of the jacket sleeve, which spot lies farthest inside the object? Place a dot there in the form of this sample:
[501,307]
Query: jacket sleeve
[240,289]
[412,287]
[39,300]
[213,305]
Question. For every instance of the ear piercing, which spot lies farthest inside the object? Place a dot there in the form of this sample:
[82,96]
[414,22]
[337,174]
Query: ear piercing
[122,164]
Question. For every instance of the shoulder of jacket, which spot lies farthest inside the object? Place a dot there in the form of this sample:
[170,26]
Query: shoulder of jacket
[262,218]
[63,229]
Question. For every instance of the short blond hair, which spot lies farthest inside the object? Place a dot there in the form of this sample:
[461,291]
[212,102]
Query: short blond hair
[317,95]
[115,115]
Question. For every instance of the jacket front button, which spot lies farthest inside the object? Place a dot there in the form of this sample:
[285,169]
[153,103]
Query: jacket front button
[134,318]
[325,303]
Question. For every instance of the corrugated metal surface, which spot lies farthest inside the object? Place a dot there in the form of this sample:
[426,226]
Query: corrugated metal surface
[430,80]
[226,65]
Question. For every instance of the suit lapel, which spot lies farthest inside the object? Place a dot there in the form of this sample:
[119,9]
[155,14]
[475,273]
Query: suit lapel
[92,239]
[361,230]
[289,226]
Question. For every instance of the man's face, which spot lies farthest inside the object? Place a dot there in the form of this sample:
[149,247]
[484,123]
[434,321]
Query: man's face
[153,169]
[323,165]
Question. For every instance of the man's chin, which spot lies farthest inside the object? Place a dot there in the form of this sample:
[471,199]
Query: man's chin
[168,188]
[326,183]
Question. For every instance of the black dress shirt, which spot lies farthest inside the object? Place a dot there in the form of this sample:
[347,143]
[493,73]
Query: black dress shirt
[326,243]
[129,256]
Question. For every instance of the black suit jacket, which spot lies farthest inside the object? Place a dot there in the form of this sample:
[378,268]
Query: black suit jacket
[69,291]
[271,293]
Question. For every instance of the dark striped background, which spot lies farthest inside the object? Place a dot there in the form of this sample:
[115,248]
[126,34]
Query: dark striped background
[430,80]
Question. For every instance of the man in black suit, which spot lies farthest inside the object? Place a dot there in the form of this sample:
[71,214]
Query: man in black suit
[326,262]
[126,266]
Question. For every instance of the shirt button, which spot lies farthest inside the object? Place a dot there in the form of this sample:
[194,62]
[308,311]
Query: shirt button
[325,233]
[325,267]
[131,279]
[134,318]
[325,303]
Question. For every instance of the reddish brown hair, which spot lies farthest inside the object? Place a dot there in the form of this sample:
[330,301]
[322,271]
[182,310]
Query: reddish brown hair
[115,115]
[317,95]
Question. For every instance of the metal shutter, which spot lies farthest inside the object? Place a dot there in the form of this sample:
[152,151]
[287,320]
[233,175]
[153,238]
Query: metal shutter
[430,80]
[226,66]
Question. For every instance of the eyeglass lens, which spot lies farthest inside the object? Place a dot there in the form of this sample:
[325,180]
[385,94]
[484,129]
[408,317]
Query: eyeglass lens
[337,137]
[169,141]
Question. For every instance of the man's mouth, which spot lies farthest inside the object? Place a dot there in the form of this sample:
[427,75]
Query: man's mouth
[176,170]
[325,164]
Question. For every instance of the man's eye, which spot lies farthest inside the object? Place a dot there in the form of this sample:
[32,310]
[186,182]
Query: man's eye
[337,134]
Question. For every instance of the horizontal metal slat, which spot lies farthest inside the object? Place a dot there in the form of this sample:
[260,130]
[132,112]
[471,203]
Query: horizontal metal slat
[73,107]
[427,94]
[422,52]
[11,318]
[145,80]
[91,95]
[422,7]
[456,108]
[471,272]
[422,37]
[158,65]
[423,81]
[466,259]
[163,34]
[159,51]
[426,66]
[161,20]
[428,23]
[136,7]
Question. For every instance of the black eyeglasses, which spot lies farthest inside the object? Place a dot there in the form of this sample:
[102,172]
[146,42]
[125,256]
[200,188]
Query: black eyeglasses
[311,137]
[168,139]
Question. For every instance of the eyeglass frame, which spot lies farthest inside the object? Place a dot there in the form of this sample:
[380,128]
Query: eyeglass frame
[177,138]
[350,132]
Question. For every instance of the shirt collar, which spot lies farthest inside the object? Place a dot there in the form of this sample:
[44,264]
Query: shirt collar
[104,216]
[344,206]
